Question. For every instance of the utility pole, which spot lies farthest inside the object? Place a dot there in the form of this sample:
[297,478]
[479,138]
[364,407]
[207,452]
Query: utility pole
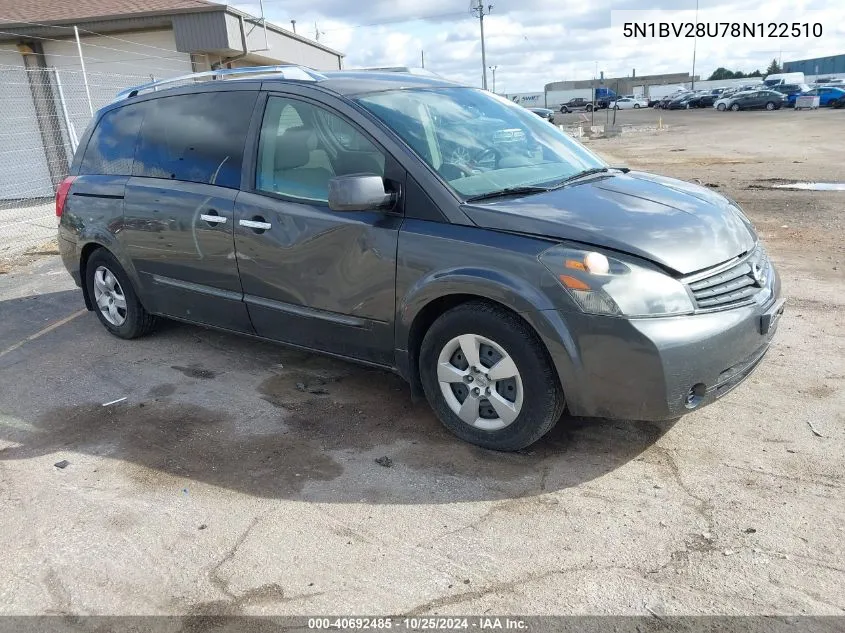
[479,10]
[694,43]
[293,24]
[422,58]
[493,68]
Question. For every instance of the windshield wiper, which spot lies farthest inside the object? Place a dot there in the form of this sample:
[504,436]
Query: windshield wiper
[588,172]
[507,191]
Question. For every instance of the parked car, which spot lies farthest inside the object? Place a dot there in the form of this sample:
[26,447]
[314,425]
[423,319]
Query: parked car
[702,100]
[654,102]
[576,104]
[629,103]
[666,100]
[756,99]
[827,94]
[681,101]
[791,91]
[324,213]
[544,113]
[838,103]
[722,102]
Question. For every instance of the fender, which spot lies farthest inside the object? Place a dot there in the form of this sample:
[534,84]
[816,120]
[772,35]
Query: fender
[508,290]
[96,235]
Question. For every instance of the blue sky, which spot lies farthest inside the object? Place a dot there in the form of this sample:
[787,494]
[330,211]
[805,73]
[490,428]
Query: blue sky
[534,42]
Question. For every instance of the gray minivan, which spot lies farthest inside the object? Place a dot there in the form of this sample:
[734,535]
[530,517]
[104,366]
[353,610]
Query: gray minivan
[431,229]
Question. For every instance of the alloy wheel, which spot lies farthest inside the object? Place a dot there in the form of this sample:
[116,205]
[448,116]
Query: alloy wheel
[480,382]
[109,296]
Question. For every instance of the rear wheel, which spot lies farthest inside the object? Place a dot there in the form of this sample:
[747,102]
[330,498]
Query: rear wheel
[115,302]
[735,107]
[488,377]
[636,106]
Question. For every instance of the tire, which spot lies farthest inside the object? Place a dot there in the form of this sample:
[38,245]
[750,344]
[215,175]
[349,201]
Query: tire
[616,107]
[721,107]
[563,110]
[114,299]
[735,107]
[495,333]
[589,108]
[770,105]
[636,106]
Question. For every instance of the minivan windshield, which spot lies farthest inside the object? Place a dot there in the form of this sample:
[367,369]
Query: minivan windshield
[478,142]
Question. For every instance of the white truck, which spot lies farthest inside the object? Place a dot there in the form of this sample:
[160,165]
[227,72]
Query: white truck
[658,92]
[776,79]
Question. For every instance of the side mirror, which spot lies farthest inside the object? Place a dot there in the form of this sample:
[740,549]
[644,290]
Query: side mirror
[359,192]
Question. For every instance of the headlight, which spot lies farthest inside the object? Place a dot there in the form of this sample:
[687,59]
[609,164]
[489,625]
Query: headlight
[617,286]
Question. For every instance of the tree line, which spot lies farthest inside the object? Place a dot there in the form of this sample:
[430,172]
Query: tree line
[724,73]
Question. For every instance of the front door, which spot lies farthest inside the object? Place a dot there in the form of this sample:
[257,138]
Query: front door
[311,276]
[178,225]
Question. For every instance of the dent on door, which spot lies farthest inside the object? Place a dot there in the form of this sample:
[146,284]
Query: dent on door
[180,238]
[318,278]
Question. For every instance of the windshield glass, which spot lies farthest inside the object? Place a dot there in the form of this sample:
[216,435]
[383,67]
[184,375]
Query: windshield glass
[480,143]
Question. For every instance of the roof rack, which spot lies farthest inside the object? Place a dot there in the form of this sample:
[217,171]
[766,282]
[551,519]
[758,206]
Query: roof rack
[300,73]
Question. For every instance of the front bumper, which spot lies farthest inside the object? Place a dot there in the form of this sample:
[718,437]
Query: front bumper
[644,369]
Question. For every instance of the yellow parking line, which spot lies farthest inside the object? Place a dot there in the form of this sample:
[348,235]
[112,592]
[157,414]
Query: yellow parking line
[47,329]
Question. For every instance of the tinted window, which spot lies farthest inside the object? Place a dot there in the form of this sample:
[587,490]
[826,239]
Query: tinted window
[303,146]
[197,138]
[112,145]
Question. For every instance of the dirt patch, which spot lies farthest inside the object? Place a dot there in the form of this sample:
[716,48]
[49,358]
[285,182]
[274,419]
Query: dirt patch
[368,410]
[195,371]
[178,441]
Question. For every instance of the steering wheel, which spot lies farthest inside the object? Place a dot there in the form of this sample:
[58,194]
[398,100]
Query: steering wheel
[451,171]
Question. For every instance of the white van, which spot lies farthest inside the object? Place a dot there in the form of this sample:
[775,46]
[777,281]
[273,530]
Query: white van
[777,79]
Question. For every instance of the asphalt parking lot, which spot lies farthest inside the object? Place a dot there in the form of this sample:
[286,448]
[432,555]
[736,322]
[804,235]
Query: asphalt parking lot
[238,477]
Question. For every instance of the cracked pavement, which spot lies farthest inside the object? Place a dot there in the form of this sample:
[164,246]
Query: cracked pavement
[224,485]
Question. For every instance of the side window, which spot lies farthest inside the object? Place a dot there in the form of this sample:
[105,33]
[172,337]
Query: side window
[303,146]
[112,145]
[196,137]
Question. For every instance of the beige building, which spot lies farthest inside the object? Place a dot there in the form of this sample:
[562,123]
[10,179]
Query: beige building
[44,96]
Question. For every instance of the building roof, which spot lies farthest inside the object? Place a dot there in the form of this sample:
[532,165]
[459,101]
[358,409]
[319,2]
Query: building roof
[23,17]
[24,11]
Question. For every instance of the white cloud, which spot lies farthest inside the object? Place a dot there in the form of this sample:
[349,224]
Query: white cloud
[534,42]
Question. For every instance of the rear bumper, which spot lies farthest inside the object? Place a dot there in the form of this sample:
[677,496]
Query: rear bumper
[645,369]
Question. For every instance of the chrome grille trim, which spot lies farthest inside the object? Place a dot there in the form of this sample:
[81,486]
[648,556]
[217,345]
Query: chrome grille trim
[731,284]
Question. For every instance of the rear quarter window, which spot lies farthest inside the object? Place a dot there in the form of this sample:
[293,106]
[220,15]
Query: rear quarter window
[111,147]
[196,137]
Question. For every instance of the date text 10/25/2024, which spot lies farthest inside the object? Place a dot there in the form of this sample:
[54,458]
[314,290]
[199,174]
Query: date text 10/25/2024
[421,623]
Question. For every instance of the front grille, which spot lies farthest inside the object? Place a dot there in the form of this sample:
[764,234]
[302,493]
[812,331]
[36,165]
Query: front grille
[736,285]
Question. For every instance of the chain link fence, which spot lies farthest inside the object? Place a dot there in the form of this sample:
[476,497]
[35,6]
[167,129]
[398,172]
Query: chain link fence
[43,114]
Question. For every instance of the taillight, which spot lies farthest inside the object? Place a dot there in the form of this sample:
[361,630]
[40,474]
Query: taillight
[61,194]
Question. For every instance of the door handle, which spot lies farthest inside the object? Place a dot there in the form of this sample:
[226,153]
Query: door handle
[258,225]
[214,219]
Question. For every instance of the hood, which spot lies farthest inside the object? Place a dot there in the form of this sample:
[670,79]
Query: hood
[677,224]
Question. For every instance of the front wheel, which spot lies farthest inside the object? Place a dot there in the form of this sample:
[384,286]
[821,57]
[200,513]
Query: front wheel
[589,108]
[721,107]
[488,377]
[115,302]
[564,110]
[770,106]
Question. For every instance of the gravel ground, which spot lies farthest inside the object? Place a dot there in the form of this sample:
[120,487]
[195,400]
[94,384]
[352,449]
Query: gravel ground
[242,478]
